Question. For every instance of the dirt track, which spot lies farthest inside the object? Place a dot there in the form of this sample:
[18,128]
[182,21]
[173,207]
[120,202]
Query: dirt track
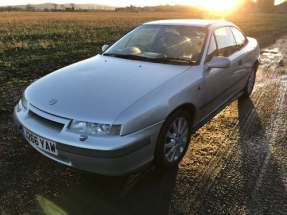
[236,164]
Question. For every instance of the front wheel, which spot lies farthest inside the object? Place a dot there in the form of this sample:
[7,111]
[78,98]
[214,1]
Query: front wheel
[173,140]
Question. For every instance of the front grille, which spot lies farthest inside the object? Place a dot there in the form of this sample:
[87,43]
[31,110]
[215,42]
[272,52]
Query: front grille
[51,124]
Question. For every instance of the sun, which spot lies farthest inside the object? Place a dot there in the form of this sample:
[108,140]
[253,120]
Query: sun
[219,5]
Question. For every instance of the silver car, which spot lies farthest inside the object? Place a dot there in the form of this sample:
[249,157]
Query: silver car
[141,99]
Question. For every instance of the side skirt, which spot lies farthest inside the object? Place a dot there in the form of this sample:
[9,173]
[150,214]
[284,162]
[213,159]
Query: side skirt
[214,113]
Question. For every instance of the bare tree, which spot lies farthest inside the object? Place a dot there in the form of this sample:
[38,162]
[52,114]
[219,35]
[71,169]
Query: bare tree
[29,7]
[266,5]
[73,7]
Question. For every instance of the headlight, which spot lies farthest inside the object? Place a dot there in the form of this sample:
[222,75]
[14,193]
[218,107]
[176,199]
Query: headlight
[94,129]
[23,104]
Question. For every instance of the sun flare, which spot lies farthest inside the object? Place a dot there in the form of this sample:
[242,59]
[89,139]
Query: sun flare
[219,5]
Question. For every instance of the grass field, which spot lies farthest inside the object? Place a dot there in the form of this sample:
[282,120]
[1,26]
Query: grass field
[33,44]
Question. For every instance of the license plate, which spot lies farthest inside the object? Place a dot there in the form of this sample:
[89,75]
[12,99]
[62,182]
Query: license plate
[40,142]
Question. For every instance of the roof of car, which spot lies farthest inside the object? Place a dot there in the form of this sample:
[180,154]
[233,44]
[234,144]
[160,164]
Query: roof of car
[189,22]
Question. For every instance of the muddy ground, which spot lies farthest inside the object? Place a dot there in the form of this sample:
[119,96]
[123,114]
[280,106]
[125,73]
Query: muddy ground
[236,164]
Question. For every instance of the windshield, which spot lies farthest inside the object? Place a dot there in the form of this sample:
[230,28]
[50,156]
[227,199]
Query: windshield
[161,43]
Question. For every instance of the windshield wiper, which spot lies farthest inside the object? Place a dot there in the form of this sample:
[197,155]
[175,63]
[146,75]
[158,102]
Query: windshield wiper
[128,56]
[175,60]
[157,60]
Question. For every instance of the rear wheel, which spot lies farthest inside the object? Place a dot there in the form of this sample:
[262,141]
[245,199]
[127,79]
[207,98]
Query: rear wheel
[250,84]
[173,140]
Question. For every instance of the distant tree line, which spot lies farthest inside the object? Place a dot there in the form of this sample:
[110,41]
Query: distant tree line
[57,7]
[247,5]
[168,8]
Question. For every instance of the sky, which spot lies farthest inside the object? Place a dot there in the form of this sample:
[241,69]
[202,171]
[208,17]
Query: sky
[109,2]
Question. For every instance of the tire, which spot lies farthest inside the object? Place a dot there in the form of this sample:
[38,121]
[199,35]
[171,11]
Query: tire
[250,84]
[173,136]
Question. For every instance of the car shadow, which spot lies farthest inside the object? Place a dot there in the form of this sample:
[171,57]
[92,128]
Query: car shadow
[263,181]
[95,194]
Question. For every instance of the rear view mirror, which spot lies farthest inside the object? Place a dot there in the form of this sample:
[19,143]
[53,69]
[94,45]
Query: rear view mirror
[105,47]
[219,62]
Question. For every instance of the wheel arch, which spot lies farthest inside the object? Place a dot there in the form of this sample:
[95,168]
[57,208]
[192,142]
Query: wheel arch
[256,65]
[188,107]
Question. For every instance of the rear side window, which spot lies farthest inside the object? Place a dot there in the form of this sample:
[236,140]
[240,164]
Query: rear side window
[225,41]
[239,37]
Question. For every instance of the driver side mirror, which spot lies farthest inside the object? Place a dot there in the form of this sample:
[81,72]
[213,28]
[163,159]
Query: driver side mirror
[219,62]
[105,47]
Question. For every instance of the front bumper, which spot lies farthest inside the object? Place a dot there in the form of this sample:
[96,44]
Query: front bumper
[104,155]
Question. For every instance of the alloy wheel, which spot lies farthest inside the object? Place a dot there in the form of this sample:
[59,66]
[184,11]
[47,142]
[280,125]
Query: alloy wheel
[176,139]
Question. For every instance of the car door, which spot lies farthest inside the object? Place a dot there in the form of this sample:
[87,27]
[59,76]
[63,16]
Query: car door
[217,82]
[242,66]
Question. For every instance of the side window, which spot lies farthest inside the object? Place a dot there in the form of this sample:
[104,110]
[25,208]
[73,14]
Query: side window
[239,37]
[212,49]
[225,41]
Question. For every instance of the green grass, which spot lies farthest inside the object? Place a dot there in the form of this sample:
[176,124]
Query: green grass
[33,44]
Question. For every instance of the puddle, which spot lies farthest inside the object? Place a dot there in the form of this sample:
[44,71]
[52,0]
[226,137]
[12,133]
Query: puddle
[271,56]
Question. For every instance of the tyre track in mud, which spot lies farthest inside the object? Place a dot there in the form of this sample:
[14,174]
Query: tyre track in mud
[276,125]
[199,192]
[262,137]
